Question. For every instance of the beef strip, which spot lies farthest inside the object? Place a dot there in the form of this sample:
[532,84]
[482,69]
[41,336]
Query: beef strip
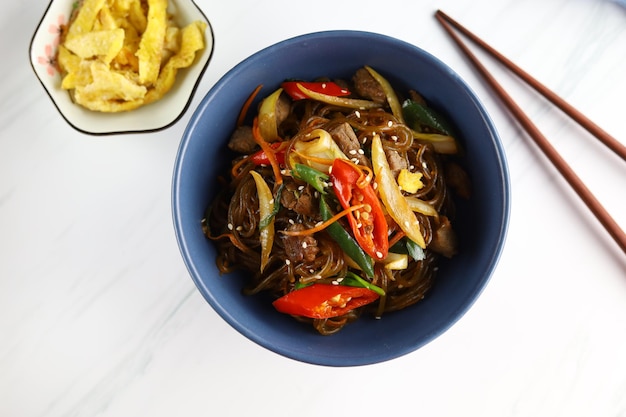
[444,239]
[416,97]
[396,161]
[366,86]
[347,141]
[242,140]
[458,180]
[283,108]
[300,199]
[300,248]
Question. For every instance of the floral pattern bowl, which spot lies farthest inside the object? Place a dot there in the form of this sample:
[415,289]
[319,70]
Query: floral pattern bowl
[153,117]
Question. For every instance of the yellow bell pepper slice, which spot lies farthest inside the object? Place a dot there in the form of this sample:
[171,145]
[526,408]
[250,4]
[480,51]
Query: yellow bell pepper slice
[391,196]
[266,208]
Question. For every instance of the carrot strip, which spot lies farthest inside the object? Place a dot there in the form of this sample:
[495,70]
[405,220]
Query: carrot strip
[396,238]
[234,171]
[323,225]
[247,104]
[323,161]
[269,152]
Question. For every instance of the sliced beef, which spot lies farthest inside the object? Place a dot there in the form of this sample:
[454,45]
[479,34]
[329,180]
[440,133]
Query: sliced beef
[366,86]
[458,180]
[396,161]
[444,240]
[416,97]
[242,140]
[300,248]
[299,198]
[347,141]
[283,108]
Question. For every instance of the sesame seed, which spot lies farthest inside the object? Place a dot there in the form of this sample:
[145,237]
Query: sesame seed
[304,245]
[339,279]
[230,226]
[375,185]
[319,223]
[355,160]
[357,114]
[272,201]
[287,262]
[411,167]
[361,151]
[394,138]
[364,140]
[389,123]
[334,283]
[239,228]
[330,170]
[352,151]
[379,254]
[300,188]
[291,221]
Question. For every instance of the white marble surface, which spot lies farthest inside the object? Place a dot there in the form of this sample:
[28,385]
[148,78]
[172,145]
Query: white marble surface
[98,316]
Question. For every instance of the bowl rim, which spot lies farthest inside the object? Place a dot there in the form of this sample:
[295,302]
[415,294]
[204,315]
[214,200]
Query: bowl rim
[210,46]
[319,358]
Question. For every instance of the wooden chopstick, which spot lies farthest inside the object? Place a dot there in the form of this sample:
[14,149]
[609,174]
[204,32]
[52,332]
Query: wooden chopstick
[542,142]
[567,108]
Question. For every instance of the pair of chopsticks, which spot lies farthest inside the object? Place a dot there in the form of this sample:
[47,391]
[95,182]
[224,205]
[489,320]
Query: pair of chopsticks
[542,142]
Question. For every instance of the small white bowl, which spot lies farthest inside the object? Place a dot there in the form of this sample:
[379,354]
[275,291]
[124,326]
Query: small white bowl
[155,116]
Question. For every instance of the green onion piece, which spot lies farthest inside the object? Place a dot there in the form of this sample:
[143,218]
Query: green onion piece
[353,280]
[414,250]
[418,116]
[347,242]
[408,247]
[267,219]
[311,176]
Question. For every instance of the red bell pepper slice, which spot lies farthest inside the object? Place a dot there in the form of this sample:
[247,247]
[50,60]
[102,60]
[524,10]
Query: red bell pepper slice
[260,157]
[326,87]
[368,224]
[322,301]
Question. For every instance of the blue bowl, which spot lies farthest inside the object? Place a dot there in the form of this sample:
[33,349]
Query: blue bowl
[481,223]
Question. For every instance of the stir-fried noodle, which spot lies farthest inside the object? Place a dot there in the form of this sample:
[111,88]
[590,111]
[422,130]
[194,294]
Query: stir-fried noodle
[291,257]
